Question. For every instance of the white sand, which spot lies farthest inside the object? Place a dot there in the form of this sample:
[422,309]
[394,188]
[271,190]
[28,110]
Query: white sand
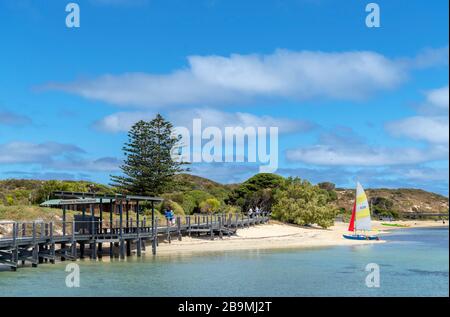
[277,236]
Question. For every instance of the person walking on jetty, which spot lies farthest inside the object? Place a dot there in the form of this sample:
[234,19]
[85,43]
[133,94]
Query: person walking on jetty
[169,216]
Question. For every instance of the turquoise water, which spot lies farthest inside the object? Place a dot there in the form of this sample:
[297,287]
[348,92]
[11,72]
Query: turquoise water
[413,262]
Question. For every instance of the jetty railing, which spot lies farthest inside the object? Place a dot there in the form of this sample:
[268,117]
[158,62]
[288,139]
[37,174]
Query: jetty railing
[41,241]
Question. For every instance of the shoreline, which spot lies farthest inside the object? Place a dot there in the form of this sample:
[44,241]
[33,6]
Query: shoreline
[276,235]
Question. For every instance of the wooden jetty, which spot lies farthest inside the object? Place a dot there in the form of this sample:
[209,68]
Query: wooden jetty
[39,242]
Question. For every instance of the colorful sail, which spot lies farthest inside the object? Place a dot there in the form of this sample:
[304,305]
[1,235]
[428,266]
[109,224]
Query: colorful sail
[351,226]
[362,214]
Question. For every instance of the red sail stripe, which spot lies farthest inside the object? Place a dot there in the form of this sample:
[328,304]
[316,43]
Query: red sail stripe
[351,226]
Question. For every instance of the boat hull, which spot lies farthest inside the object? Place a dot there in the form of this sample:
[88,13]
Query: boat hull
[359,237]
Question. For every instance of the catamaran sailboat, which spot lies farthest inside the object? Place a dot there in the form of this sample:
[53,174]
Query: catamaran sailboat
[360,219]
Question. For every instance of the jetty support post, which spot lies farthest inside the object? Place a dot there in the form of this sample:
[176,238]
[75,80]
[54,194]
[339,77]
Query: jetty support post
[73,244]
[15,250]
[169,238]
[64,229]
[35,254]
[229,224]
[121,241]
[100,245]
[144,229]
[111,230]
[82,230]
[127,219]
[64,221]
[188,219]
[52,244]
[93,245]
[154,229]
[220,226]
[129,241]
[138,242]
[24,233]
[179,227]
[198,224]
[211,232]
[42,233]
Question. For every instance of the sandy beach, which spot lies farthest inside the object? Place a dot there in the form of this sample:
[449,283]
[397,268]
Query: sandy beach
[275,235]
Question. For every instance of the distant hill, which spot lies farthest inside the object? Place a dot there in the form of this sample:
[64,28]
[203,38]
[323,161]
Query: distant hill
[25,192]
[193,182]
[22,192]
[402,199]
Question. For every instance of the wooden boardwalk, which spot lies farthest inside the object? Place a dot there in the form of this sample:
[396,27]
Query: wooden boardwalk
[38,242]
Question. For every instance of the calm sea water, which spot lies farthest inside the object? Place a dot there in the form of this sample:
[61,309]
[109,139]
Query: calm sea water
[413,262]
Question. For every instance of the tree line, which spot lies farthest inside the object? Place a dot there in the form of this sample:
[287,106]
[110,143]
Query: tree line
[150,170]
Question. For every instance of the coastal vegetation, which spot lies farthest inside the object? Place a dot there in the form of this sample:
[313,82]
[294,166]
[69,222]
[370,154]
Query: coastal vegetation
[299,202]
[149,169]
[19,198]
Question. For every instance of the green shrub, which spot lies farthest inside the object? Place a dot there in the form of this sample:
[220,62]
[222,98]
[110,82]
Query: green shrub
[9,200]
[209,205]
[301,203]
[230,209]
[175,207]
[256,191]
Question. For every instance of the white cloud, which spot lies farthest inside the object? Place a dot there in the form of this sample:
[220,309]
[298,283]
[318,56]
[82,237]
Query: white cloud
[104,164]
[13,119]
[429,57]
[438,98]
[431,127]
[26,152]
[215,80]
[348,150]
[122,121]
[54,156]
[366,156]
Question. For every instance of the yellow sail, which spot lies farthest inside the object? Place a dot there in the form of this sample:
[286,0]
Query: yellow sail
[362,215]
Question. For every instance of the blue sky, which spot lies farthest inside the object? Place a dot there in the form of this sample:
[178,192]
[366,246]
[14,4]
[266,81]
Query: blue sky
[352,103]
